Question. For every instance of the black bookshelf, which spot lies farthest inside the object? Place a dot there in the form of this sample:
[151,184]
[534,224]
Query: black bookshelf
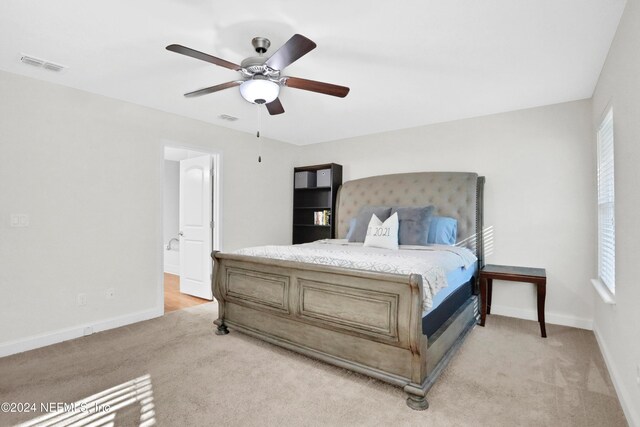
[308,200]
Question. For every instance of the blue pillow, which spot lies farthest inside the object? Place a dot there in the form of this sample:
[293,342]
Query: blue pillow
[352,228]
[443,230]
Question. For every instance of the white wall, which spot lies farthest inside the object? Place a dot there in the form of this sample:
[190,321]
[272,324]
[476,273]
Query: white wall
[538,197]
[88,171]
[618,327]
[171,201]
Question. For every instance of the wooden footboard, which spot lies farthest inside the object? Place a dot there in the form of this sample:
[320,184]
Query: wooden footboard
[363,321]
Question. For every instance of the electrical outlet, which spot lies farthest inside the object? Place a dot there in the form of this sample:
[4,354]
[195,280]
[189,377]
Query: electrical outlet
[111,293]
[82,299]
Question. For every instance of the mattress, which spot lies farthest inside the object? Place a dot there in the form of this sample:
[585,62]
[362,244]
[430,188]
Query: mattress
[455,279]
[446,302]
[431,262]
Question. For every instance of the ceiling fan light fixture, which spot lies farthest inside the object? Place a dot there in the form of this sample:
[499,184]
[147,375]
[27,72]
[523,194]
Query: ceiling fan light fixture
[261,76]
[259,90]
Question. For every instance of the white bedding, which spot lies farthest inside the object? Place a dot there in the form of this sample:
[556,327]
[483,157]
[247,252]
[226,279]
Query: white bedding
[432,262]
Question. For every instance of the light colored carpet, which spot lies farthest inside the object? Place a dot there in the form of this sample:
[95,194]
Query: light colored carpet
[504,375]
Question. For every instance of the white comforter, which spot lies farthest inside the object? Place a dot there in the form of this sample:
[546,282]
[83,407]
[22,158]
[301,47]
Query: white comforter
[431,262]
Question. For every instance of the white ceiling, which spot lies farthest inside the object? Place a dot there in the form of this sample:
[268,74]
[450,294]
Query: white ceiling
[408,63]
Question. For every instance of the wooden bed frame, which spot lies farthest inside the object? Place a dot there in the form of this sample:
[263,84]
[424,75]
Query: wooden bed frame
[363,321]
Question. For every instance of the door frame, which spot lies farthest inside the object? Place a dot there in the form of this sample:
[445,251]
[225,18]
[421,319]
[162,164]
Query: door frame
[216,211]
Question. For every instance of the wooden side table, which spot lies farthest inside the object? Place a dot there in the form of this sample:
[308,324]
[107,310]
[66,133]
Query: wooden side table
[537,276]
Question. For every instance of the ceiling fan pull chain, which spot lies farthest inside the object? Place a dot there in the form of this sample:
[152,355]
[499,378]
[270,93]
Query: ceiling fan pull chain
[258,133]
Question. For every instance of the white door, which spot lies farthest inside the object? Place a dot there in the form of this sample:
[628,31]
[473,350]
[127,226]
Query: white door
[196,226]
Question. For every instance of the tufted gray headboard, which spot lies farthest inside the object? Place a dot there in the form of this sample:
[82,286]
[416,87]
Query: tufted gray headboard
[455,194]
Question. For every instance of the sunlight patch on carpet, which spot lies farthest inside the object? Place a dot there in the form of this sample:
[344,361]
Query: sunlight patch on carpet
[101,409]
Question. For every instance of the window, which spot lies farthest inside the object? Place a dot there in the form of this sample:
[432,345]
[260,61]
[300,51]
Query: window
[606,211]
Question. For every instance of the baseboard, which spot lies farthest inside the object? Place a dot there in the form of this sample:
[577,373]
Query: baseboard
[172,269]
[42,340]
[630,411]
[552,318]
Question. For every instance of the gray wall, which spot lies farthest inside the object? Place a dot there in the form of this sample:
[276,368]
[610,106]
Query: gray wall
[618,326]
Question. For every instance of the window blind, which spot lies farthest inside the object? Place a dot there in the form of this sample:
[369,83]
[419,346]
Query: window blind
[606,205]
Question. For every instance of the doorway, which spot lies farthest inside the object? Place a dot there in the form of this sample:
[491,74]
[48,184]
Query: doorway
[190,213]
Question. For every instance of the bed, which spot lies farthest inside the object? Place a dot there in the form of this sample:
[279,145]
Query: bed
[372,322]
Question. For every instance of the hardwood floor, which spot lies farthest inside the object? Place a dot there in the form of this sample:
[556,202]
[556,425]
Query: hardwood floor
[173,299]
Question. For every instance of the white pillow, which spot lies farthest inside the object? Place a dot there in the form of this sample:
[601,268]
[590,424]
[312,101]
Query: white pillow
[383,234]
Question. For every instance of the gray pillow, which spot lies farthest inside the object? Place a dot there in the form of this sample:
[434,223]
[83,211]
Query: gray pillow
[363,218]
[414,224]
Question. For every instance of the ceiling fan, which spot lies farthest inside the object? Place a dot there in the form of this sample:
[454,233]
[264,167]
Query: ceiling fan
[261,76]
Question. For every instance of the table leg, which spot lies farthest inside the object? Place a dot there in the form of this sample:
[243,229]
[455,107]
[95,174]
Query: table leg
[542,293]
[489,294]
[483,300]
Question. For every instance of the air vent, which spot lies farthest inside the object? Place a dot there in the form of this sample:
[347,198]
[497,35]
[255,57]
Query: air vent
[53,67]
[227,118]
[32,61]
[41,63]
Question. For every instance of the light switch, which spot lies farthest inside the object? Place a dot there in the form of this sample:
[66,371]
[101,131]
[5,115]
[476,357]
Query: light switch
[19,220]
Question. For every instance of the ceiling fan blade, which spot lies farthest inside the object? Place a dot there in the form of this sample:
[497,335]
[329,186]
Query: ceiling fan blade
[314,86]
[295,48]
[202,56]
[212,89]
[275,107]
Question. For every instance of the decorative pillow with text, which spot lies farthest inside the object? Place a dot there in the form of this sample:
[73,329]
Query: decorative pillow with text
[363,218]
[383,234]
